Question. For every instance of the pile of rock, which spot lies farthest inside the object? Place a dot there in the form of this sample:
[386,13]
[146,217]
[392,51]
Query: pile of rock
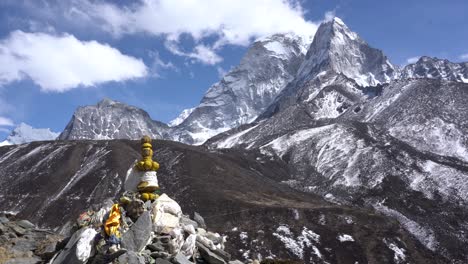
[22,242]
[151,232]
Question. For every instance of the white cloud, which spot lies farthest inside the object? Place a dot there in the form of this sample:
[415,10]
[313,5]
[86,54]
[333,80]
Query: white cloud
[159,65]
[221,72]
[330,15]
[6,121]
[202,53]
[412,59]
[234,22]
[60,63]
[464,56]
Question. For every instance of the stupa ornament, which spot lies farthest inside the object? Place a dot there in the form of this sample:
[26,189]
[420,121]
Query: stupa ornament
[149,181]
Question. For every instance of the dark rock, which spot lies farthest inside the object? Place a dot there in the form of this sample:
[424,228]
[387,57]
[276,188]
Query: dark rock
[164,239]
[137,236]
[199,219]
[155,247]
[209,256]
[164,255]
[26,224]
[162,261]
[131,258]
[226,256]
[135,209]
[181,259]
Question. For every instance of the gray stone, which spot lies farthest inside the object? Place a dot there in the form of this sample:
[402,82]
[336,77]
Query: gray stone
[209,256]
[131,258]
[199,219]
[148,205]
[162,261]
[3,219]
[181,259]
[26,224]
[3,229]
[24,245]
[187,221]
[31,260]
[138,235]
[19,230]
[235,262]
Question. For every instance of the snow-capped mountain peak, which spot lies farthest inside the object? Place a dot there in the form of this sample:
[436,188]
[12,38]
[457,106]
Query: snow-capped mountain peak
[245,91]
[110,119]
[25,133]
[434,68]
[338,49]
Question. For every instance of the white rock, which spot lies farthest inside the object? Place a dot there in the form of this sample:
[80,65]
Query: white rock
[188,248]
[189,229]
[85,244]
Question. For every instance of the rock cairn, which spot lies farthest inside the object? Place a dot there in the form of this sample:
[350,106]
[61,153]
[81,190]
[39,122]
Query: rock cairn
[142,227]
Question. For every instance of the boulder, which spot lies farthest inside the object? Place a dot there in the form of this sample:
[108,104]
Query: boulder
[136,238]
[166,205]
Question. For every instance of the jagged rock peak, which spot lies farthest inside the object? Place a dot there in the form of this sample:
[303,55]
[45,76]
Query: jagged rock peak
[337,49]
[434,68]
[107,102]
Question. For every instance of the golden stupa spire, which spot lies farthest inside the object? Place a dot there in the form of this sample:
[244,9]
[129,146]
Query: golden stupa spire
[149,183]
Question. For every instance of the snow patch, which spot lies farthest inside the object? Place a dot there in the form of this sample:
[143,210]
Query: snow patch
[296,245]
[345,238]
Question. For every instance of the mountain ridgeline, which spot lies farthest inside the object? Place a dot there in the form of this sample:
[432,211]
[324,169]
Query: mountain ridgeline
[317,150]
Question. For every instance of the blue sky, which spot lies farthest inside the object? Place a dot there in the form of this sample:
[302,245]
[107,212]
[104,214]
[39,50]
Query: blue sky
[162,55]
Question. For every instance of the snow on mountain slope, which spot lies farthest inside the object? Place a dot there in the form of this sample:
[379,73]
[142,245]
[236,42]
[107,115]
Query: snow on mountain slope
[178,120]
[245,92]
[433,68]
[112,120]
[25,133]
